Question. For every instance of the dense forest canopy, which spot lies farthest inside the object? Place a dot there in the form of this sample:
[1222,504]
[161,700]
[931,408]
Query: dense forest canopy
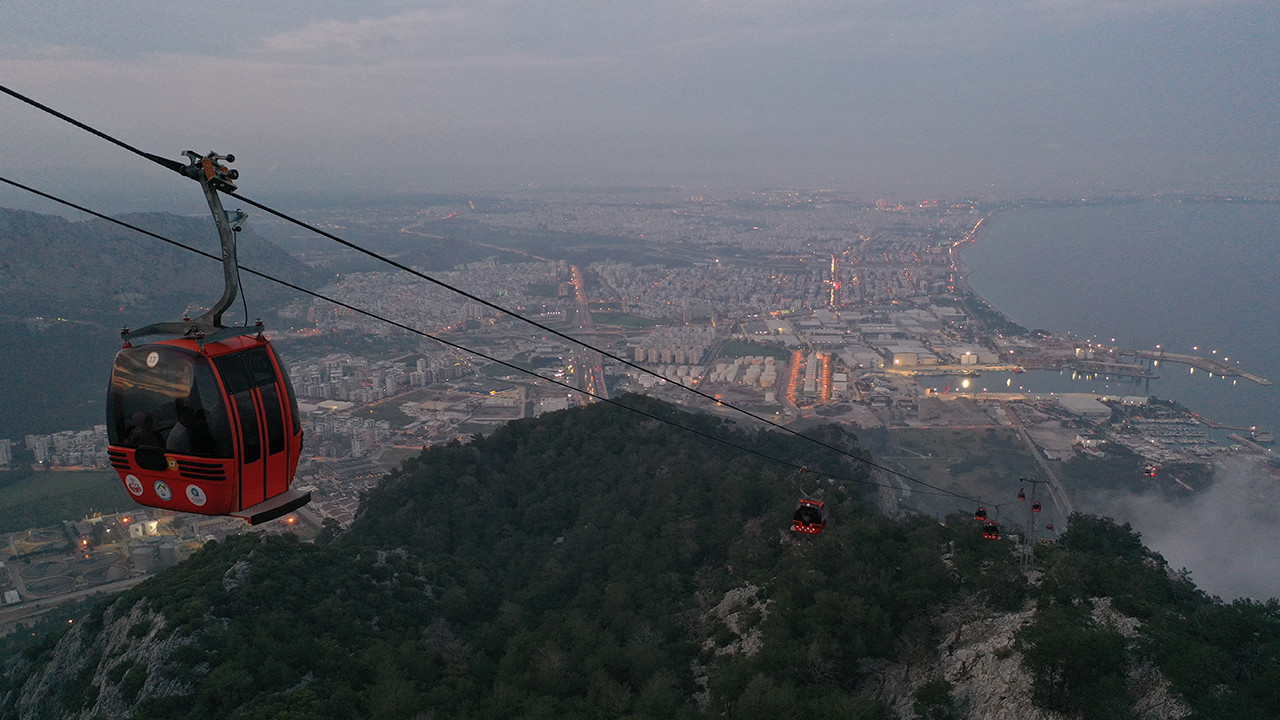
[599,563]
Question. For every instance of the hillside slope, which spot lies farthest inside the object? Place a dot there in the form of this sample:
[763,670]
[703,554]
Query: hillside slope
[66,289]
[594,562]
[95,270]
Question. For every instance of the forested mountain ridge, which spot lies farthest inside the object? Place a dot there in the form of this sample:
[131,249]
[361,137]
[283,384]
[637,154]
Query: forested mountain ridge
[67,287]
[598,563]
[95,270]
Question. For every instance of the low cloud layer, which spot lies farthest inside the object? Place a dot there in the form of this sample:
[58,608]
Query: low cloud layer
[1228,536]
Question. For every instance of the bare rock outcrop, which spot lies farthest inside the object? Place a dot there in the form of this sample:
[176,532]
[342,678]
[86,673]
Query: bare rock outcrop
[105,671]
[988,681]
[977,658]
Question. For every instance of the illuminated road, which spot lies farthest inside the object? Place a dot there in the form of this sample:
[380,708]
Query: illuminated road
[1056,491]
[587,371]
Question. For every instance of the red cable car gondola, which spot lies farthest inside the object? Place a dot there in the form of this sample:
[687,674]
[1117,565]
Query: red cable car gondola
[810,517]
[212,430]
[980,514]
[1022,495]
[208,422]
[1035,506]
[991,530]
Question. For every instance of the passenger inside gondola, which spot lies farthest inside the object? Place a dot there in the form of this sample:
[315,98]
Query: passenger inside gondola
[190,434]
[142,431]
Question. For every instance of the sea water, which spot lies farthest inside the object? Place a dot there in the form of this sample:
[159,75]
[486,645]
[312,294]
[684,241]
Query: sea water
[1195,278]
[1190,277]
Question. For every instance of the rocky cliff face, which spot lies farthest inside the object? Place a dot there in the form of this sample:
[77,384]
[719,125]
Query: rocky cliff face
[105,671]
[977,658]
[988,681]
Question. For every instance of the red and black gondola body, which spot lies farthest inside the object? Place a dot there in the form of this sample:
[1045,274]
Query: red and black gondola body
[210,429]
[810,517]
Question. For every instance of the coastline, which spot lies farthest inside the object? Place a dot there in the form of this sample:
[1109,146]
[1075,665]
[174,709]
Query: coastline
[1198,525]
[996,320]
[970,299]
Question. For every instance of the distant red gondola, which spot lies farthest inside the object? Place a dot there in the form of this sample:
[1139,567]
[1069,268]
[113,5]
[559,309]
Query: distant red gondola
[1035,506]
[991,530]
[980,514]
[810,517]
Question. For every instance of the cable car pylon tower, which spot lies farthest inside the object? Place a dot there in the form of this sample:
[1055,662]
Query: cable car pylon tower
[1028,554]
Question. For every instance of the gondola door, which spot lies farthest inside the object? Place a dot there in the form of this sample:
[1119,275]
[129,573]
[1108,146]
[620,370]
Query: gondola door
[263,418]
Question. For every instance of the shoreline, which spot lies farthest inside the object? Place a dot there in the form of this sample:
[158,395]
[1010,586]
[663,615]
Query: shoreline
[963,291]
[960,281]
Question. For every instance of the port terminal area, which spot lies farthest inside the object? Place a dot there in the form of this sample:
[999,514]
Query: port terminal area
[1084,357]
[1091,357]
[1083,423]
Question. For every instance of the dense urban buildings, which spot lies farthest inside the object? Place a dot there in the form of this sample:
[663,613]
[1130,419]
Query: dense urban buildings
[790,306]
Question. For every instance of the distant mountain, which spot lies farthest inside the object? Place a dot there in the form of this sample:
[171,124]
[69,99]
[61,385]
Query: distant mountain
[96,270]
[67,287]
[598,563]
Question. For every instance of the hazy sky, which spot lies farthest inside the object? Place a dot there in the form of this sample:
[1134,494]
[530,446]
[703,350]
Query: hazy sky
[893,97]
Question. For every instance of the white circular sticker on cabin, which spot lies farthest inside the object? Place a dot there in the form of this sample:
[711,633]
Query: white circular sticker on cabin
[162,491]
[196,496]
[134,484]
[153,359]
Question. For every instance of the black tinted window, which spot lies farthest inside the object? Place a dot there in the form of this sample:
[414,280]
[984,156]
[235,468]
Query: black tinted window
[244,370]
[165,397]
[275,420]
[249,428]
[293,399]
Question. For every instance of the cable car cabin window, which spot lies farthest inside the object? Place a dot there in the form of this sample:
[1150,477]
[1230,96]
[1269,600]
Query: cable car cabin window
[248,427]
[275,419]
[293,399]
[167,398]
[293,405]
[246,370]
[808,515]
